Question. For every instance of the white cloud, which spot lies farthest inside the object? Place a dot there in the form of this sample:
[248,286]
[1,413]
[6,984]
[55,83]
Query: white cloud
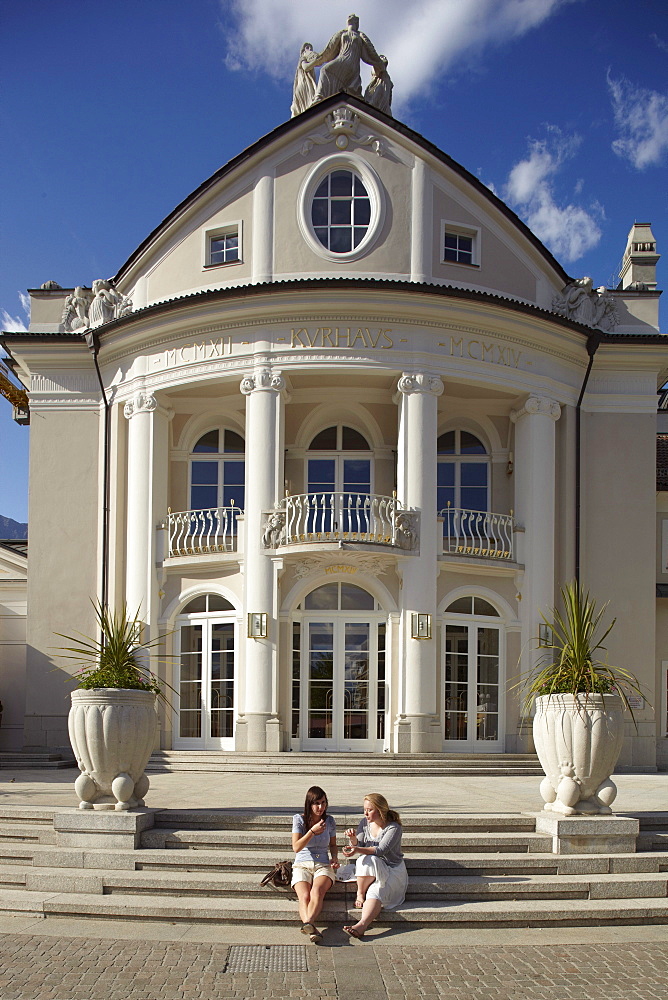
[422,41]
[568,230]
[14,324]
[641,117]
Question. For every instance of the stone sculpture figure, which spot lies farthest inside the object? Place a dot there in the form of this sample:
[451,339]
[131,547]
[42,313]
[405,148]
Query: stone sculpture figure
[379,91]
[303,91]
[340,61]
[107,304]
[75,311]
[583,303]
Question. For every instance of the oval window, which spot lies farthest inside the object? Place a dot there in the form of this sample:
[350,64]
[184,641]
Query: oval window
[341,211]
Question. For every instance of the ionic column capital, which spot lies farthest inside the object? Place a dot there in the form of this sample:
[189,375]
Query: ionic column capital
[420,382]
[141,402]
[537,404]
[263,380]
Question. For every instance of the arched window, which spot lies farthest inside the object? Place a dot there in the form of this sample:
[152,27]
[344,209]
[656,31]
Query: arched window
[217,470]
[463,472]
[339,478]
[473,674]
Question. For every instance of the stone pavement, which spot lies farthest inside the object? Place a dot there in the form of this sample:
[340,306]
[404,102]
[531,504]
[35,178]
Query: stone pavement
[90,968]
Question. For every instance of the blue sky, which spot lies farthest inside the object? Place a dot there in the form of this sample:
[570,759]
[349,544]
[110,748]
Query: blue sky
[113,113]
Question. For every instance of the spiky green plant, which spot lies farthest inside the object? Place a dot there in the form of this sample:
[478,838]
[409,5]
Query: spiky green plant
[114,659]
[573,662]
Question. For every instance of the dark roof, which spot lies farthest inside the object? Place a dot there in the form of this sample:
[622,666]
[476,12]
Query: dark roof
[18,545]
[316,111]
[358,284]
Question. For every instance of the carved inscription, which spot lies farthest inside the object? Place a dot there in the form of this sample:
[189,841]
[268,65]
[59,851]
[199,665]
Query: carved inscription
[190,354]
[341,336]
[484,350]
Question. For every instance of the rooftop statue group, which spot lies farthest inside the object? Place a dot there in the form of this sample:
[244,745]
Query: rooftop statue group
[339,64]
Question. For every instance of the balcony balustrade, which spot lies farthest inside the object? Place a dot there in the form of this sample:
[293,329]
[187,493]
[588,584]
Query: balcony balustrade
[477,533]
[195,532]
[333,517]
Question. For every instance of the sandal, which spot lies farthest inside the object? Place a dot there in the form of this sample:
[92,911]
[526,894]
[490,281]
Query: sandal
[308,929]
[359,903]
[351,932]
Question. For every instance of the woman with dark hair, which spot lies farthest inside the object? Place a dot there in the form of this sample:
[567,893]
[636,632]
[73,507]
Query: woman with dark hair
[316,858]
[380,870]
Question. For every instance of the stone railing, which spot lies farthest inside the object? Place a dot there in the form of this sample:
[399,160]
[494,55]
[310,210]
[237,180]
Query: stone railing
[477,533]
[333,517]
[193,532]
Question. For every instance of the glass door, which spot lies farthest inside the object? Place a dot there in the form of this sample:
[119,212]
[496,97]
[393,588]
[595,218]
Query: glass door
[473,690]
[340,684]
[205,685]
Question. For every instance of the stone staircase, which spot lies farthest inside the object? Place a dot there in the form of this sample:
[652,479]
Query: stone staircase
[390,765]
[205,866]
[18,760]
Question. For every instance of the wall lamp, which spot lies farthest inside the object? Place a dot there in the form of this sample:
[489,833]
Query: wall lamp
[420,626]
[257,625]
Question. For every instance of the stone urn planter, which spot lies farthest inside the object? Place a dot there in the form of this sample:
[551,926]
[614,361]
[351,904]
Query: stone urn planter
[112,732]
[578,739]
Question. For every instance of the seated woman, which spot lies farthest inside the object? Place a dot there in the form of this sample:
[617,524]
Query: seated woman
[313,841]
[380,870]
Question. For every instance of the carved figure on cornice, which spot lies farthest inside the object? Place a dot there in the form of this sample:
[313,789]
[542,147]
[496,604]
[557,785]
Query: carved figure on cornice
[342,128]
[107,304]
[75,311]
[303,91]
[406,529]
[379,91]
[273,529]
[581,302]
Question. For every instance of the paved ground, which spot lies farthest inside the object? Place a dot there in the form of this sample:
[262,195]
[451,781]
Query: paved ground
[73,959]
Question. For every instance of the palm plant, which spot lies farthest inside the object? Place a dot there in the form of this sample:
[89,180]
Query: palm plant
[114,660]
[573,662]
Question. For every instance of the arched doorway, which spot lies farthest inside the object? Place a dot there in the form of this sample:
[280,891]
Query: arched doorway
[474,676]
[339,696]
[205,675]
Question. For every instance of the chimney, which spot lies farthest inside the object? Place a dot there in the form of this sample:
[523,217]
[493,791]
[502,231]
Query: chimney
[638,271]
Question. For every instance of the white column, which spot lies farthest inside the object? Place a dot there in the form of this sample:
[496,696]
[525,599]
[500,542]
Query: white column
[263,477]
[535,482]
[263,229]
[421,223]
[139,569]
[418,421]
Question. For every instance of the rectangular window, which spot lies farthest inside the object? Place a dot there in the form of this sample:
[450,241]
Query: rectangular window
[460,245]
[223,245]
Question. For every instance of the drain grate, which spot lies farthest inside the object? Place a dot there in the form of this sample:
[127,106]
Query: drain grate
[267,958]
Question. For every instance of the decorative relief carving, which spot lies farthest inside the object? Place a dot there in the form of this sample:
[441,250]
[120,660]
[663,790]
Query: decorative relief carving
[406,522]
[339,563]
[342,127]
[62,384]
[264,380]
[141,402]
[537,404]
[420,382]
[88,308]
[581,302]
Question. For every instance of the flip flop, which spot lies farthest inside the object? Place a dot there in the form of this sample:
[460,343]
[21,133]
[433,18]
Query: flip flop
[359,903]
[351,932]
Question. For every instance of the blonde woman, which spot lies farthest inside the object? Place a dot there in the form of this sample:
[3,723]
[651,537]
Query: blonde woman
[380,870]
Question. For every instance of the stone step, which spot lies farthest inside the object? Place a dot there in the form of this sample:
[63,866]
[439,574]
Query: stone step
[19,760]
[280,908]
[25,832]
[224,884]
[280,821]
[277,840]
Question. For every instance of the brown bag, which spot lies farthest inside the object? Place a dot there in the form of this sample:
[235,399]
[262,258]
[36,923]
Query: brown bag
[280,875]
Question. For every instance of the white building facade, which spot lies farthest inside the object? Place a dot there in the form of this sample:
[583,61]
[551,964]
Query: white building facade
[340,428]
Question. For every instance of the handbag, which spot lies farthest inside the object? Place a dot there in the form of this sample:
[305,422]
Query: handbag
[280,875]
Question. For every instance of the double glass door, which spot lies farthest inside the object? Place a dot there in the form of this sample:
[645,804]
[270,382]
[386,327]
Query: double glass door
[342,689]
[473,689]
[205,685]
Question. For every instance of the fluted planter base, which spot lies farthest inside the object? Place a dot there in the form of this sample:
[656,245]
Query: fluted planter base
[578,740]
[112,732]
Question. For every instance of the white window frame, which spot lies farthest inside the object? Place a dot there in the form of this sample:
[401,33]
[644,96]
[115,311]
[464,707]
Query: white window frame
[458,229]
[211,234]
[372,183]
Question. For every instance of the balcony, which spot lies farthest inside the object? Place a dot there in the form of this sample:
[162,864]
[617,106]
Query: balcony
[198,532]
[341,517]
[478,534]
